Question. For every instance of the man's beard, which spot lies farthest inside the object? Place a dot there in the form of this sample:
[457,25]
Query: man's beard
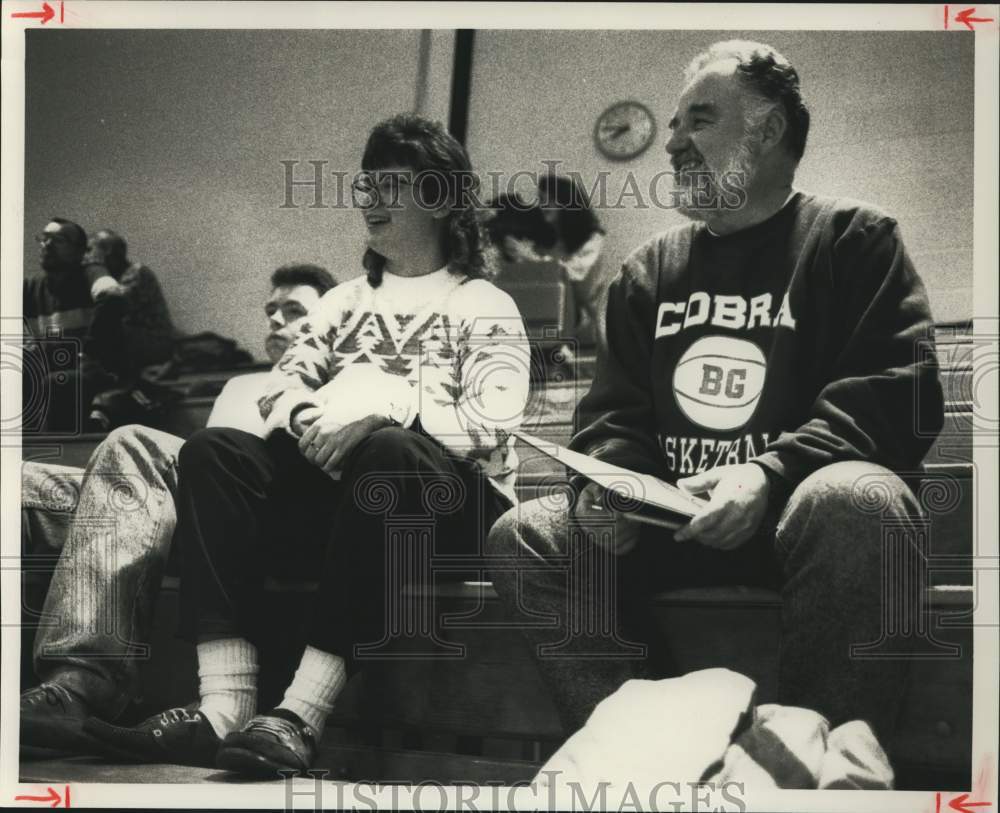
[710,192]
[53,264]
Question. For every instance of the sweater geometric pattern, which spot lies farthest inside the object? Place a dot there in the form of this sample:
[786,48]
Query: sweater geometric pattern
[442,347]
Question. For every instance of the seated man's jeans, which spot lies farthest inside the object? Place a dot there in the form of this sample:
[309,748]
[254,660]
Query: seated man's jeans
[826,553]
[49,495]
[114,523]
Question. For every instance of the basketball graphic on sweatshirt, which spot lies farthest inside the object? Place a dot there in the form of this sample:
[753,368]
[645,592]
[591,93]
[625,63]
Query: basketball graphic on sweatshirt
[718,381]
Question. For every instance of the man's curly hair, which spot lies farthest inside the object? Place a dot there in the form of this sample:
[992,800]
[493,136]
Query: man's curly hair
[439,162]
[769,76]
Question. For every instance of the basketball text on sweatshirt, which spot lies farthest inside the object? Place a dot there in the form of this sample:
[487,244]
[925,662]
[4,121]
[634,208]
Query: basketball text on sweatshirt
[798,342]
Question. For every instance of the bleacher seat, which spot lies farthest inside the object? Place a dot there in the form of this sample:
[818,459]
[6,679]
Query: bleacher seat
[491,701]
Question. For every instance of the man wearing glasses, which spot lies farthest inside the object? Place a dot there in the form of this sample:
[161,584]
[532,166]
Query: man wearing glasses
[95,319]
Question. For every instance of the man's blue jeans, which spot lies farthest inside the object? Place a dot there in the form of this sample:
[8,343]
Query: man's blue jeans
[113,522]
[825,552]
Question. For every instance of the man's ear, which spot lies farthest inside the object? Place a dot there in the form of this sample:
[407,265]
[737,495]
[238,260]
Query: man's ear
[773,129]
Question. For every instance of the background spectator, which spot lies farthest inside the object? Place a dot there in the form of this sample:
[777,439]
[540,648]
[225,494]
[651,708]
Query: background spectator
[146,326]
[575,239]
[95,319]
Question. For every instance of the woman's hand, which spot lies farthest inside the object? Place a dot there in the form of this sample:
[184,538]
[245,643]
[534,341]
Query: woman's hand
[304,418]
[327,443]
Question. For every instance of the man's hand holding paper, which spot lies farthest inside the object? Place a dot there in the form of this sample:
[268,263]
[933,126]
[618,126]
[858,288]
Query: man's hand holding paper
[734,511]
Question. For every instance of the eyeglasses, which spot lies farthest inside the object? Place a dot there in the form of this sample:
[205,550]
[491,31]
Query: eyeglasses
[368,189]
[45,239]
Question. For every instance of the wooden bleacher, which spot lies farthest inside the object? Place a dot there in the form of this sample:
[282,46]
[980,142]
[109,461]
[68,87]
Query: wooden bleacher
[486,715]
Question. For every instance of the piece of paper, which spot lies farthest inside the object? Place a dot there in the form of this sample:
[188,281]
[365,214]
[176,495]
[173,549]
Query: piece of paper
[629,485]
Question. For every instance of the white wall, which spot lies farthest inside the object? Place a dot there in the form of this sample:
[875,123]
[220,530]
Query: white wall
[892,124]
[174,139]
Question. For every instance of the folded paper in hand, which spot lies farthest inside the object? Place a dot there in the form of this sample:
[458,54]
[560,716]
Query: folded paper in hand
[655,501]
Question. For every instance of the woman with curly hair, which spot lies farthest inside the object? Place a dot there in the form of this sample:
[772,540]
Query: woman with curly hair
[395,400]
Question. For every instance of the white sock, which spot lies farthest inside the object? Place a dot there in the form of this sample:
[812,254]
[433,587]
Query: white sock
[317,682]
[227,670]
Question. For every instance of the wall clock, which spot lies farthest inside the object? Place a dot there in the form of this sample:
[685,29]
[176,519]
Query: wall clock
[624,130]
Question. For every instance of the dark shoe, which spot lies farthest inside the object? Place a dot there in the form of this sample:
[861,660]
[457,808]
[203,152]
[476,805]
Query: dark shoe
[176,736]
[52,723]
[272,742]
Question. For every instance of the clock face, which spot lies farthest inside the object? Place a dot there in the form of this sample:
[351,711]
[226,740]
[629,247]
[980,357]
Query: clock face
[624,130]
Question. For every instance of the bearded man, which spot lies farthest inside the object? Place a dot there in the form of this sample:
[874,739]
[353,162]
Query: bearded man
[766,355]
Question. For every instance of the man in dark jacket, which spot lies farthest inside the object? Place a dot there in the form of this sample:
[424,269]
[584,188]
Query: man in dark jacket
[93,318]
[146,328]
[768,357]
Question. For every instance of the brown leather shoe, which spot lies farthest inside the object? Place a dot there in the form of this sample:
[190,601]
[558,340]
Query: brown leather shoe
[52,723]
[180,736]
[277,741]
